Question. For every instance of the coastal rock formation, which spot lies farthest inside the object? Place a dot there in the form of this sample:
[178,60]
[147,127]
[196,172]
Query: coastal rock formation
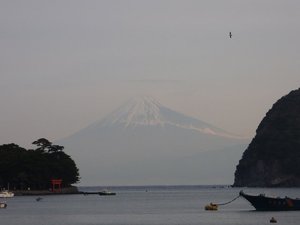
[273,157]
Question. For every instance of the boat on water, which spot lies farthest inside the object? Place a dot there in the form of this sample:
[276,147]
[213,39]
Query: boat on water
[106,192]
[3,205]
[262,202]
[6,194]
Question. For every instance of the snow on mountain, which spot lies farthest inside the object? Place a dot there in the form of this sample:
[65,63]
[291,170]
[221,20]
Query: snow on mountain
[144,142]
[138,111]
[146,111]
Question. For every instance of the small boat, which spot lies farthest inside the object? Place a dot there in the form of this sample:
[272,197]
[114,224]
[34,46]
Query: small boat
[3,205]
[106,192]
[38,199]
[6,194]
[273,220]
[264,203]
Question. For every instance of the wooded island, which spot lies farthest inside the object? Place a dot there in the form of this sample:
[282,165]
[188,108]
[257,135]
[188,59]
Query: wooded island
[33,169]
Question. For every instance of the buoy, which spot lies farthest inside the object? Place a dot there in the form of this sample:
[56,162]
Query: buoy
[211,206]
[273,220]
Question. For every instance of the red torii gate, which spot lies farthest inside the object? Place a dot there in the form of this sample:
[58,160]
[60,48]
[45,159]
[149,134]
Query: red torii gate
[56,185]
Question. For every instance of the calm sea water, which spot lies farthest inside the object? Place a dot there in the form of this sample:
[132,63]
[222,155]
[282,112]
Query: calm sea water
[179,205]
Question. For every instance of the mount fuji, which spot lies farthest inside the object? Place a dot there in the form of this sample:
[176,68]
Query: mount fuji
[146,143]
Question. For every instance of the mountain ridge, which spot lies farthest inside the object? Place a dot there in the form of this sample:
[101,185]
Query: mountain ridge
[146,111]
[147,139]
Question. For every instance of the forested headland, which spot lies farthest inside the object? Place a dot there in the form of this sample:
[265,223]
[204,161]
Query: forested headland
[24,169]
[272,159]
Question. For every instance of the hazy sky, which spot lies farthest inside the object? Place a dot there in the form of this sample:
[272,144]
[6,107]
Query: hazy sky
[66,64]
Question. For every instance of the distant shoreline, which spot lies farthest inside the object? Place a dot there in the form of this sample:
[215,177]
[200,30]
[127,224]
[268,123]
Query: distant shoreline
[64,191]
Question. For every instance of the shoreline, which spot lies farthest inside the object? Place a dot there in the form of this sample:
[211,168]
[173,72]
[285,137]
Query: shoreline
[64,191]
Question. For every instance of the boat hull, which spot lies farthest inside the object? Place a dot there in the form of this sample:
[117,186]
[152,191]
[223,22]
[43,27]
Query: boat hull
[107,193]
[264,203]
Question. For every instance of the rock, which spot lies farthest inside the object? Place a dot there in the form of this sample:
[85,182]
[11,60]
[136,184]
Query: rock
[273,157]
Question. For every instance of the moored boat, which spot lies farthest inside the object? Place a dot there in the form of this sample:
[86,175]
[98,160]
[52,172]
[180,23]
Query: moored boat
[6,194]
[106,192]
[3,205]
[264,203]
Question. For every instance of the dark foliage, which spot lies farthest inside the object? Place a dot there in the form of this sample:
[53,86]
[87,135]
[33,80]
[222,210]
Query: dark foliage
[34,169]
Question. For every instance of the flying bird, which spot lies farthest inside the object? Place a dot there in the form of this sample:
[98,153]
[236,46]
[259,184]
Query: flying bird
[230,34]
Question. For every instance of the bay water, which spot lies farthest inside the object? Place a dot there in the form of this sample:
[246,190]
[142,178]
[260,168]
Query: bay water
[146,205]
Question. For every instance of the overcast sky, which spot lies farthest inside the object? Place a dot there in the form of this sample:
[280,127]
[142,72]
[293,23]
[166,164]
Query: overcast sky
[66,64]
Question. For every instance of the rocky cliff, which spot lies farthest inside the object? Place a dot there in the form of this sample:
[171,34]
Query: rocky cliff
[273,157]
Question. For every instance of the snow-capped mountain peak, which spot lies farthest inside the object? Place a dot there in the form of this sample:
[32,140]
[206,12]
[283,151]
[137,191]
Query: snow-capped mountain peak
[143,138]
[146,111]
[138,111]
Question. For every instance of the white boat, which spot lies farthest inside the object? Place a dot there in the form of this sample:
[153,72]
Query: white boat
[106,192]
[6,194]
[3,205]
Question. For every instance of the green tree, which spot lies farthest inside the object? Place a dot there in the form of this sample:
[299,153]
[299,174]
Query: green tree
[21,168]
